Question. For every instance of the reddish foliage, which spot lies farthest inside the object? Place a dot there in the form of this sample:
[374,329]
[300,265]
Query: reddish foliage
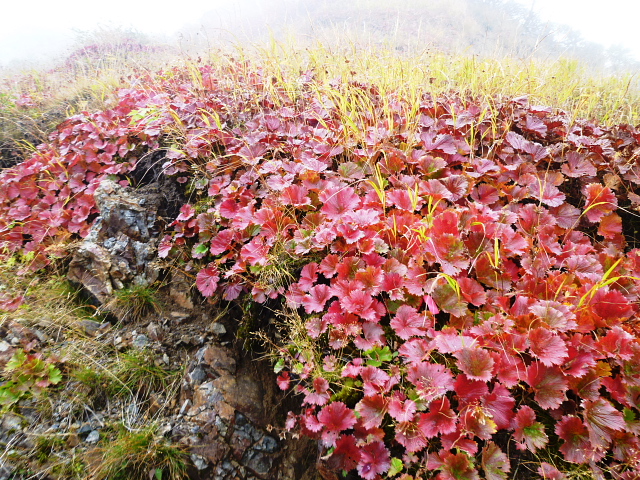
[473,273]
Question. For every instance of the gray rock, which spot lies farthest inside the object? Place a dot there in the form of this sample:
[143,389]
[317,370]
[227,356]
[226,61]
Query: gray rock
[84,429]
[121,246]
[267,444]
[155,332]
[197,375]
[141,341]
[185,406]
[258,461]
[93,437]
[220,359]
[11,422]
[199,461]
[218,328]
[90,327]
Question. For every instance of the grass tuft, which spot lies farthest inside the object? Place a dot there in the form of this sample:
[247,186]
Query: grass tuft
[140,455]
[133,303]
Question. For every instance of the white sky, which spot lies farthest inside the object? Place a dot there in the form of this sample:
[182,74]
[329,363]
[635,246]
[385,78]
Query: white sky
[608,22]
[33,29]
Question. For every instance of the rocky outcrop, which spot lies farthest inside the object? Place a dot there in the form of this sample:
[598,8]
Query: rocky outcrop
[121,247]
[226,404]
[228,413]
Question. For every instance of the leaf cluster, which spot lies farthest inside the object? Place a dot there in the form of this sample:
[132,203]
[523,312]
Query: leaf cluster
[465,268]
[26,375]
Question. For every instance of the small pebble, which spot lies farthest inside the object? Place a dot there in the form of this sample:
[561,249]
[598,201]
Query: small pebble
[199,462]
[140,341]
[218,328]
[93,437]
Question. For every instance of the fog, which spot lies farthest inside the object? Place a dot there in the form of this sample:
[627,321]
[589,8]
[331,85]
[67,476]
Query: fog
[39,32]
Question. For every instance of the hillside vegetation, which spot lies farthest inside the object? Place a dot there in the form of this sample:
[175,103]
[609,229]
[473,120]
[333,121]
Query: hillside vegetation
[446,247]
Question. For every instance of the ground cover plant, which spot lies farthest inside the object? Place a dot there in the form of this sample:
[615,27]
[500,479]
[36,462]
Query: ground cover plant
[464,267]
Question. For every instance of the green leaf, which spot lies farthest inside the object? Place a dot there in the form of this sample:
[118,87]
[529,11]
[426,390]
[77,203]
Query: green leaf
[201,249]
[16,361]
[396,467]
[55,375]
[277,368]
[378,355]
[628,415]
[158,474]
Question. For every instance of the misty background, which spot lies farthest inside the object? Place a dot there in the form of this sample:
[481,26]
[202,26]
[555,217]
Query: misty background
[46,32]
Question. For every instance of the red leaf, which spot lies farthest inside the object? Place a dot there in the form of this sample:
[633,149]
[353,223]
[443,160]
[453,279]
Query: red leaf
[316,299]
[457,185]
[611,305]
[207,280]
[610,226]
[548,383]
[329,265]
[320,394]
[477,422]
[566,215]
[549,472]
[518,142]
[9,303]
[222,242]
[585,267]
[449,341]
[375,380]
[308,276]
[485,194]
[476,363]
[186,212]
[401,199]
[440,419]
[556,315]
[415,350]
[283,381]
[617,343]
[432,380]
[549,348]
[338,200]
[255,252]
[442,143]
[494,462]
[402,409]
[337,417]
[296,195]
[164,247]
[447,299]
[528,431]
[577,166]
[472,291]
[602,420]
[375,460]
[534,125]
[371,278]
[346,455]
[452,466]
[408,323]
[576,447]
[359,303]
[499,403]
[410,437]
[469,391]
[600,201]
[372,410]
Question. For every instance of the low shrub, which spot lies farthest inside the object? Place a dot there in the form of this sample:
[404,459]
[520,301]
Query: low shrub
[465,268]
